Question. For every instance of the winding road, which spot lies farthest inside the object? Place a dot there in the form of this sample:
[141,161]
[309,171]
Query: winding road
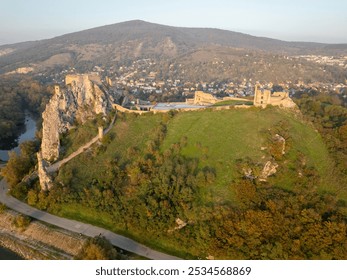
[75,226]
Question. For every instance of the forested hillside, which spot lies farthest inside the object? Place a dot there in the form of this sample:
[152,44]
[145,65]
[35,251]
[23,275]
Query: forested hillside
[16,97]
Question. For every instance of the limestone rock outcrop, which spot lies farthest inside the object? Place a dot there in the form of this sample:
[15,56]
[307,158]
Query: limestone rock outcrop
[270,168]
[46,181]
[280,139]
[51,126]
[83,97]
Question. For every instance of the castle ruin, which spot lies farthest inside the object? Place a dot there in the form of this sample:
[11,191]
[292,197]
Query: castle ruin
[207,99]
[202,98]
[264,97]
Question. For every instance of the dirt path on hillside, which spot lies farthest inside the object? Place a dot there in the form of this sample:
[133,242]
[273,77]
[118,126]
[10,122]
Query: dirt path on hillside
[55,166]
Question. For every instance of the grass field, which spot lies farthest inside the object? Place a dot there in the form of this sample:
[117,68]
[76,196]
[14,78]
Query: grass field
[217,139]
[78,136]
[135,131]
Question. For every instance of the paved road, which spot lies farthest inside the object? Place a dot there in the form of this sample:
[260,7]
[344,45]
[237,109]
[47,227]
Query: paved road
[85,229]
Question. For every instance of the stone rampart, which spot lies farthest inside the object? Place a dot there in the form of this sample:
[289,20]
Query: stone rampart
[81,78]
[125,110]
[202,98]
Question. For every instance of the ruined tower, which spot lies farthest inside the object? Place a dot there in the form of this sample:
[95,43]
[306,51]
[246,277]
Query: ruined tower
[100,132]
[262,97]
[57,89]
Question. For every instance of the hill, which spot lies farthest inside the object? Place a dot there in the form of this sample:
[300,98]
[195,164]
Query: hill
[168,179]
[119,44]
[218,139]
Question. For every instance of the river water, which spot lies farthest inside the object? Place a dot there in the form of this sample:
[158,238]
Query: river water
[29,134]
[8,255]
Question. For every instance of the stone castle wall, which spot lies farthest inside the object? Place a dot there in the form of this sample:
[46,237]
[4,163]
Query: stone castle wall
[125,110]
[264,97]
[202,98]
[81,78]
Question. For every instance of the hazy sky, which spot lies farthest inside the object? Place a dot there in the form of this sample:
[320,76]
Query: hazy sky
[291,20]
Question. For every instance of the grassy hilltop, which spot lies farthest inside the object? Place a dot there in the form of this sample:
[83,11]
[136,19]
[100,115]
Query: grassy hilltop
[217,138]
[152,169]
[220,138]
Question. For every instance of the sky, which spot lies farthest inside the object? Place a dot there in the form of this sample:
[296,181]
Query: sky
[291,20]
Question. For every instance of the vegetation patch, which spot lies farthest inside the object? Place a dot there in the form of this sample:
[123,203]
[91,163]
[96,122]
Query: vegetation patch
[97,248]
[2,208]
[243,184]
[21,222]
[76,137]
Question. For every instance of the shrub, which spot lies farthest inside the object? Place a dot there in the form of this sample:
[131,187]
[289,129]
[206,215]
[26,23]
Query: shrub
[19,191]
[2,208]
[21,222]
[97,248]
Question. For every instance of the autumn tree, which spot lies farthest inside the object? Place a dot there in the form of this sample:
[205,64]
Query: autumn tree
[97,248]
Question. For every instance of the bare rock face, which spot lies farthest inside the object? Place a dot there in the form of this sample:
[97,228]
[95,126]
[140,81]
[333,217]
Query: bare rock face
[50,130]
[46,182]
[281,140]
[269,169]
[180,224]
[84,97]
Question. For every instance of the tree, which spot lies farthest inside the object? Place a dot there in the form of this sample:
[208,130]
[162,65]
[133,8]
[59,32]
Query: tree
[15,169]
[21,222]
[2,208]
[97,248]
[19,165]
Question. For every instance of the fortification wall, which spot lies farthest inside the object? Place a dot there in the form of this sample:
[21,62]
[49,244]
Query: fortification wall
[81,78]
[155,111]
[125,110]
[179,110]
[234,98]
[203,98]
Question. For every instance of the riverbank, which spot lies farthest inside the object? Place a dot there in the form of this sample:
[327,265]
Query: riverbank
[38,241]
[6,254]
[29,131]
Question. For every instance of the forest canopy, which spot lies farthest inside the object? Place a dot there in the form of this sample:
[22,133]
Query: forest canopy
[16,97]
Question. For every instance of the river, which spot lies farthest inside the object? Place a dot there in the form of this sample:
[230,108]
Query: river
[8,255]
[29,134]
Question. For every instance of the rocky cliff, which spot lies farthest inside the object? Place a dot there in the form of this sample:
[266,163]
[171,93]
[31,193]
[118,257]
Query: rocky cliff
[83,97]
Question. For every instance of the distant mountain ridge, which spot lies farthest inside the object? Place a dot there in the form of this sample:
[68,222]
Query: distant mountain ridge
[139,39]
